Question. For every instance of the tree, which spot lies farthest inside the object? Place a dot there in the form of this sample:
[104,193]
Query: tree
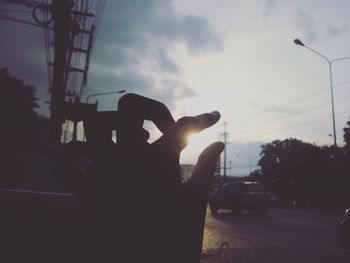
[17,106]
[290,169]
[346,135]
[304,173]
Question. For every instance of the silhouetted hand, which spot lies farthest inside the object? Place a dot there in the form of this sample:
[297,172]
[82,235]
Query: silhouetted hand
[144,212]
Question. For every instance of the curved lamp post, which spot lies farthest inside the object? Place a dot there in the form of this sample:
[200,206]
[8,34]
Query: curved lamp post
[330,62]
[104,93]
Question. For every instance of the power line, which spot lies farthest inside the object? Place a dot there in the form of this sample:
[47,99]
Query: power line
[84,21]
[310,95]
[47,44]
[300,125]
[22,21]
[306,110]
[99,18]
[15,11]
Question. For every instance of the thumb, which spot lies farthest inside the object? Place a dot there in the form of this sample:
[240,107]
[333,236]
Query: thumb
[199,183]
[196,194]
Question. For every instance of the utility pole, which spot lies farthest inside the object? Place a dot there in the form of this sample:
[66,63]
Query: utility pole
[69,22]
[60,10]
[230,167]
[225,150]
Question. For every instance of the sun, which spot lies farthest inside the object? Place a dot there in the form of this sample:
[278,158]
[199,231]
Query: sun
[197,142]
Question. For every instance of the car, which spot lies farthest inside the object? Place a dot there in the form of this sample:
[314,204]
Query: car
[38,165]
[240,196]
[27,164]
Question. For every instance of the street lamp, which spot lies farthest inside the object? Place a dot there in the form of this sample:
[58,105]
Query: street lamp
[330,62]
[104,93]
[250,162]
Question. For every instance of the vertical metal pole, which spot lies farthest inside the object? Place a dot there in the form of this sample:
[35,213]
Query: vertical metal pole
[333,116]
[225,152]
[75,131]
[250,166]
[230,168]
[61,37]
[65,130]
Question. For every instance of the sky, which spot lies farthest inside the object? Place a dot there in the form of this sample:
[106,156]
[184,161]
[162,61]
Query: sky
[234,56]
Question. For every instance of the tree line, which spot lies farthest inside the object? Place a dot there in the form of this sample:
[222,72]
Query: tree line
[304,174]
[18,102]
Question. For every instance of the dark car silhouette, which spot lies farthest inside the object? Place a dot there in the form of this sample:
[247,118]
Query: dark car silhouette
[240,196]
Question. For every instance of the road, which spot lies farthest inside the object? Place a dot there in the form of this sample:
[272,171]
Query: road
[282,236]
[52,228]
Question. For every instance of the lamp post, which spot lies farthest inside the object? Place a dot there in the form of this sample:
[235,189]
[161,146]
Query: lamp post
[250,162]
[104,93]
[330,63]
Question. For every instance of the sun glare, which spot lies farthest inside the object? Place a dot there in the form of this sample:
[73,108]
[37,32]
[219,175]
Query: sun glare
[197,142]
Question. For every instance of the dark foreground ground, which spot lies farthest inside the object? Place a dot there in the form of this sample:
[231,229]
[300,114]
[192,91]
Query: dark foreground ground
[282,236]
[46,228]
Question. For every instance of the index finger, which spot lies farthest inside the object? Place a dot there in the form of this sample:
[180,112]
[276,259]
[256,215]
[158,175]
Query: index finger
[133,109]
[177,136]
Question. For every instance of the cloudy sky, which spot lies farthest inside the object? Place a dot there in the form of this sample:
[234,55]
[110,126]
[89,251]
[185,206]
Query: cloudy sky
[234,56]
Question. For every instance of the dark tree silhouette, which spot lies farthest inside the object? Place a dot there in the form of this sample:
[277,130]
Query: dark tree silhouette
[290,169]
[346,135]
[306,174]
[17,106]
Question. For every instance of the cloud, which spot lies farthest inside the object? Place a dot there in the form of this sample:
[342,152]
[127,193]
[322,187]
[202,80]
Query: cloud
[312,31]
[196,33]
[163,62]
[269,6]
[335,31]
[106,79]
[307,24]
[172,88]
[141,25]
[136,40]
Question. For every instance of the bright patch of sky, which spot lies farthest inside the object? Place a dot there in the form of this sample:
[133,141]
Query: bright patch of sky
[264,85]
